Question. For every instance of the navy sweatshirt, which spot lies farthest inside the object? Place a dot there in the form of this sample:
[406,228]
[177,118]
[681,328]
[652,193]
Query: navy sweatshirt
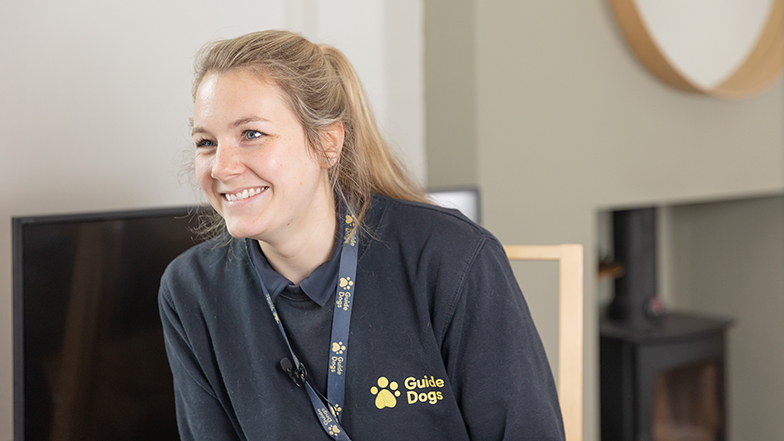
[442,345]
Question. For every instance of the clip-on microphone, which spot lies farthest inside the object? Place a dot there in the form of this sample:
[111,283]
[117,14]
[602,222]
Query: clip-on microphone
[298,375]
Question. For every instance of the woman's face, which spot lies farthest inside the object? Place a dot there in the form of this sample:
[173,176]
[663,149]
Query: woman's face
[253,160]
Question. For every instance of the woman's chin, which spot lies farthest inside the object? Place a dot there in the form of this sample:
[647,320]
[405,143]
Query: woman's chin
[241,231]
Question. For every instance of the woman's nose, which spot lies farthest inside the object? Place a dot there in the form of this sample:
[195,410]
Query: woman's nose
[227,162]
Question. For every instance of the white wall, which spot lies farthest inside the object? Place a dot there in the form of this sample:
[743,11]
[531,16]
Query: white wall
[95,98]
[384,39]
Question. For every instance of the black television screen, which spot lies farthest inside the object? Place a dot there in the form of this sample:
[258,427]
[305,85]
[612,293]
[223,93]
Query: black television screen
[89,358]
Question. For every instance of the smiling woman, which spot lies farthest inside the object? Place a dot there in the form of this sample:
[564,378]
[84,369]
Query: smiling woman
[325,219]
[254,163]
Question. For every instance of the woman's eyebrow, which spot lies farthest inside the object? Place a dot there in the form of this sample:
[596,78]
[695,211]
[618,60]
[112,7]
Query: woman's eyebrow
[247,119]
[236,123]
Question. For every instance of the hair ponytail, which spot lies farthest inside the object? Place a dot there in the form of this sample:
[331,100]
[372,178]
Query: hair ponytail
[322,89]
[367,164]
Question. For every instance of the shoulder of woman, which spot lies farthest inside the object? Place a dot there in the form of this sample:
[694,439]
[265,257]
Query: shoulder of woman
[430,231]
[428,219]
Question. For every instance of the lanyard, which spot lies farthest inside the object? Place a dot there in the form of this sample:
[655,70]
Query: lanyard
[328,410]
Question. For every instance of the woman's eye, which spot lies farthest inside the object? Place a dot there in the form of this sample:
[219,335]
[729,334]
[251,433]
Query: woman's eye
[251,134]
[205,143]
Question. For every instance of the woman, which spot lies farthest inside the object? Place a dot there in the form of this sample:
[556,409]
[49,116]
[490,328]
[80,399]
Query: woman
[346,306]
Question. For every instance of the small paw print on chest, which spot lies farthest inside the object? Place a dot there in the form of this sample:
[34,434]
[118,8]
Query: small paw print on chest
[338,347]
[385,397]
[336,410]
[346,282]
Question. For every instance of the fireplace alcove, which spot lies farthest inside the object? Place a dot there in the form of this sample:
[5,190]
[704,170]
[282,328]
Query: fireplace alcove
[717,260]
[649,357]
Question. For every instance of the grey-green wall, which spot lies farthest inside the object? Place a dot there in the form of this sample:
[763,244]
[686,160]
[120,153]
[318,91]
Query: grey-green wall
[450,93]
[727,259]
[566,122]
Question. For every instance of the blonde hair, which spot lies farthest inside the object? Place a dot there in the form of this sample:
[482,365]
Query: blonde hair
[322,88]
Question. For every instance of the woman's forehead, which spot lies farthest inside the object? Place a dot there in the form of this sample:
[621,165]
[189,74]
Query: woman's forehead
[238,92]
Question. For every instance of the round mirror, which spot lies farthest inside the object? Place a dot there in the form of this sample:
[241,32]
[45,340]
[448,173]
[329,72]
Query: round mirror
[723,48]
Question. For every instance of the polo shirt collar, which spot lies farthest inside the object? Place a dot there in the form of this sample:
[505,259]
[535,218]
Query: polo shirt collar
[318,286]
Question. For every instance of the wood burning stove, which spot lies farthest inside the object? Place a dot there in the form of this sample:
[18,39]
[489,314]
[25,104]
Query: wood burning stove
[665,382]
[662,374]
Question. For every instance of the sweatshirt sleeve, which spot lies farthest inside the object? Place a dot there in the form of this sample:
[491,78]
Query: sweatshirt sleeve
[200,414]
[496,362]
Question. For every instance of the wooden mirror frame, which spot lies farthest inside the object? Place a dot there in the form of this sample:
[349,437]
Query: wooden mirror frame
[761,68]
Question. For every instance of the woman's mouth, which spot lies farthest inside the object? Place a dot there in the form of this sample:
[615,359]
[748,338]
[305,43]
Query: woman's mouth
[244,194]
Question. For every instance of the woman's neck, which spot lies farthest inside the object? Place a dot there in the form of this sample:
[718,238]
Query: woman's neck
[302,253]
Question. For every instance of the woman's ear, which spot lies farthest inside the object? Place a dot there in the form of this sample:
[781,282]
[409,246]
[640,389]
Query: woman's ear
[332,142]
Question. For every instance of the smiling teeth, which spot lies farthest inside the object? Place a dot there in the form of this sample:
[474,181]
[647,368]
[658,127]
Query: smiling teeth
[242,195]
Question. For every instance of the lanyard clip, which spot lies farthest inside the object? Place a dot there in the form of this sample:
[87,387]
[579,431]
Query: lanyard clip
[299,375]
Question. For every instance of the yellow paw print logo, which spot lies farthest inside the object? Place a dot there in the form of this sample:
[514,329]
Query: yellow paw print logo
[346,282]
[333,430]
[385,397]
[349,220]
[338,347]
[336,410]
